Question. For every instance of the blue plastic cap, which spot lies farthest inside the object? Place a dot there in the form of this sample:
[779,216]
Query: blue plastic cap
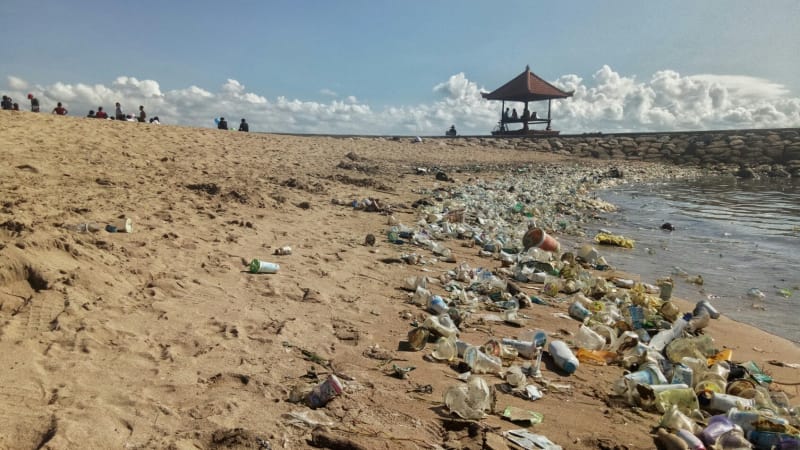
[570,367]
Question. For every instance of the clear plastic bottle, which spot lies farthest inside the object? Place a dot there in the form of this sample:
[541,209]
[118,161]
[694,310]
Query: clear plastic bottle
[664,337]
[589,339]
[563,356]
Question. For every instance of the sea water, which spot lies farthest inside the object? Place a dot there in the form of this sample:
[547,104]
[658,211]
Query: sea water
[741,236]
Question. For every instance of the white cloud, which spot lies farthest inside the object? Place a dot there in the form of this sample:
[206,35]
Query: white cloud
[17,83]
[608,102]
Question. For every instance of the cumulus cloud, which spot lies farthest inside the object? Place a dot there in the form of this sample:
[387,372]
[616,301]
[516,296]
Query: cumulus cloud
[607,102]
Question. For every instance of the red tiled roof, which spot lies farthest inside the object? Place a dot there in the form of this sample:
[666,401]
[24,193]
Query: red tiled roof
[526,87]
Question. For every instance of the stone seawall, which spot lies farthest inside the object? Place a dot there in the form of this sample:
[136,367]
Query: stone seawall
[774,151]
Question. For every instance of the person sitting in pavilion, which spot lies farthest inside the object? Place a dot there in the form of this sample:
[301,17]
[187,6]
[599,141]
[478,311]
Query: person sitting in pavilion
[526,114]
[514,114]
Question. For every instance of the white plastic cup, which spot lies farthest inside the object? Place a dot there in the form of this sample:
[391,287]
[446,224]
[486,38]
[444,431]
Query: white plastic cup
[124,225]
[258,266]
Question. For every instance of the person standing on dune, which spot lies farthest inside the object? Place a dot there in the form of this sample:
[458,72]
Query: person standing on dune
[34,103]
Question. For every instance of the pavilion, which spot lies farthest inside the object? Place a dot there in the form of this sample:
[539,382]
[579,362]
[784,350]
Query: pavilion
[526,87]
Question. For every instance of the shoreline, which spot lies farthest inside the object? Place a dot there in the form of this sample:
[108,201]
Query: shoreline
[159,338]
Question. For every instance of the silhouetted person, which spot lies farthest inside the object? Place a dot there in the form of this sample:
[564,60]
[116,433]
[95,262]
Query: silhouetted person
[60,110]
[118,112]
[505,114]
[100,114]
[514,114]
[15,107]
[34,103]
[6,104]
[244,126]
[223,124]
[91,114]
[452,131]
[142,114]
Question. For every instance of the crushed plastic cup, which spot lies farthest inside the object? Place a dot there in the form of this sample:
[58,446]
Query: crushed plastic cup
[470,401]
[324,392]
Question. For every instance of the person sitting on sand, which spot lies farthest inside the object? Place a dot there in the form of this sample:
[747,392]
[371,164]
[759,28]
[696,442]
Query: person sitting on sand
[91,114]
[6,104]
[118,112]
[155,121]
[452,131]
[223,124]
[34,103]
[15,107]
[60,110]
[244,126]
[142,115]
[100,114]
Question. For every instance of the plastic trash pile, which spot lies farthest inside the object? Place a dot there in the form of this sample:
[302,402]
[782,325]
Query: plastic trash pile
[706,398]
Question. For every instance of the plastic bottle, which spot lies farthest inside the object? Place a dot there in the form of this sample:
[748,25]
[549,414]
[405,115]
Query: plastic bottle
[563,356]
[524,349]
[722,403]
[708,307]
[764,440]
[755,421]
[421,296]
[698,322]
[692,441]
[717,426]
[437,305]
[664,337]
[589,339]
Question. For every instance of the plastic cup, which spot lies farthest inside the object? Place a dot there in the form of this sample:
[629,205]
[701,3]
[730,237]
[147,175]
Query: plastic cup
[537,237]
[124,225]
[324,392]
[258,266]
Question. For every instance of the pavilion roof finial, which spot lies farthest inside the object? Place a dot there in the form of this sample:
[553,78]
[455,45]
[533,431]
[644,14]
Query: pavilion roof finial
[527,67]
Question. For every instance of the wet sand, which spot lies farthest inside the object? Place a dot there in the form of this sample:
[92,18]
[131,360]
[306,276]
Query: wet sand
[159,338]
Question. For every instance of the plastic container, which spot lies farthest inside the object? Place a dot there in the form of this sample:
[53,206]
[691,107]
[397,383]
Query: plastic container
[441,325]
[524,349]
[418,337]
[682,374]
[578,311]
[692,441]
[722,403]
[596,357]
[694,347]
[258,266]
[763,440]
[437,305]
[469,401]
[421,296]
[648,374]
[664,337]
[537,237]
[684,398]
[589,339]
[445,349]
[756,421]
[563,356]
[480,362]
[324,392]
[675,420]
[717,426]
[515,377]
[708,307]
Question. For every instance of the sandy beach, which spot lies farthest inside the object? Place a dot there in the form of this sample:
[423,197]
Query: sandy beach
[160,338]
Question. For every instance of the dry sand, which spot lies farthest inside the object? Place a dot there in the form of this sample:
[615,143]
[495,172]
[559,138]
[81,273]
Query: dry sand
[160,339]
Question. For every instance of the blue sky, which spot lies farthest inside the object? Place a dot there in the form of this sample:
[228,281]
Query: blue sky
[409,67]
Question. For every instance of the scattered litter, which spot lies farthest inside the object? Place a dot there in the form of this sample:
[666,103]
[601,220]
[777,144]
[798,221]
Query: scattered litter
[613,239]
[530,441]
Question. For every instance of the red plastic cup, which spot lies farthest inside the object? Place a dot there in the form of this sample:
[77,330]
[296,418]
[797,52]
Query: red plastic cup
[536,237]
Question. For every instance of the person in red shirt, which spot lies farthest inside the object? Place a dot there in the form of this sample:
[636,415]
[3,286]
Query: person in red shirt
[100,114]
[60,110]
